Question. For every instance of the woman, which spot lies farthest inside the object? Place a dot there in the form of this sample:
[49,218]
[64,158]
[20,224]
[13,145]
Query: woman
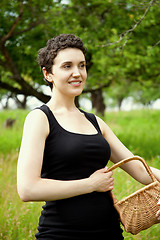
[64,152]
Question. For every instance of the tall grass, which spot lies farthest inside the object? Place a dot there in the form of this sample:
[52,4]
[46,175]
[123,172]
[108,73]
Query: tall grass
[18,220]
[10,138]
[138,130]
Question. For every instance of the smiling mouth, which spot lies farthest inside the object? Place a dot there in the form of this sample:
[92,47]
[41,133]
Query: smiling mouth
[75,82]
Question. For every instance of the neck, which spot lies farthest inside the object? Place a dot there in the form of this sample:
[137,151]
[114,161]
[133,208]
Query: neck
[62,103]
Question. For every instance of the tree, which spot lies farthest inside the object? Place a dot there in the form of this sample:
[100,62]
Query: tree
[17,42]
[122,39]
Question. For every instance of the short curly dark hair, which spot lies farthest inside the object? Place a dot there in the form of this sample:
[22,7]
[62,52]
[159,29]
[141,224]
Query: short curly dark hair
[47,54]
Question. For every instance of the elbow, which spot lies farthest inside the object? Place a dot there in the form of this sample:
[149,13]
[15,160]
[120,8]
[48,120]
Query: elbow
[28,190]
[23,197]
[24,193]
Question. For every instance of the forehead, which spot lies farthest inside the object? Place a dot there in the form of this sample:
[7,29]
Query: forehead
[69,55]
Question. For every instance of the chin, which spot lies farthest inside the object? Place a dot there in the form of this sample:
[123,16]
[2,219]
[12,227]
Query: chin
[78,93]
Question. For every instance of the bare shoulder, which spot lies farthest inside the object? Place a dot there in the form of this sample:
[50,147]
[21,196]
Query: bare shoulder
[36,116]
[105,129]
[36,120]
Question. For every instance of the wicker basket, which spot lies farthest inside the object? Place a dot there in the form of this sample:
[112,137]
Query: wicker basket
[138,211]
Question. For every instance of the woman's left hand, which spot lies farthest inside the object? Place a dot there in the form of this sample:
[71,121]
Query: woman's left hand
[158,212]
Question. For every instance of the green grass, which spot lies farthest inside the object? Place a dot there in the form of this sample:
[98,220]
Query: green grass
[138,130]
[10,138]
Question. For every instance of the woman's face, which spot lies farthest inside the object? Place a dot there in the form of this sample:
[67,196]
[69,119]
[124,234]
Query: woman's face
[69,72]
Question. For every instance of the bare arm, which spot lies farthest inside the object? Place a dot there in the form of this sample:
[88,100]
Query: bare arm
[119,152]
[31,187]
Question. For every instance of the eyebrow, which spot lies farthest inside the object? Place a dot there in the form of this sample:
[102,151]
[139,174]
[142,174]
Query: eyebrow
[70,62]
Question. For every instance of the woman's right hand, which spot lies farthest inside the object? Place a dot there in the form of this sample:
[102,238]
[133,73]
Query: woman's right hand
[101,180]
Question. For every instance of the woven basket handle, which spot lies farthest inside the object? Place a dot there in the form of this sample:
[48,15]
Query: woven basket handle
[130,159]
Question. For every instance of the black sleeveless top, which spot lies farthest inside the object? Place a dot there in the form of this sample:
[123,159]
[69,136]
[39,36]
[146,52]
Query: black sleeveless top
[72,156]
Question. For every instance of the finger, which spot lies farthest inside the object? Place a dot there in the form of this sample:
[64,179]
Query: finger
[111,188]
[102,170]
[109,174]
[112,180]
[158,202]
[158,214]
[106,168]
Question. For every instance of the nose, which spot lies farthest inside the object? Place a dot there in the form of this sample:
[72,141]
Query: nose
[76,72]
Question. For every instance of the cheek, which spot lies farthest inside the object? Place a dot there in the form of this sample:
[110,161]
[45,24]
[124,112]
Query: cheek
[85,75]
[62,76]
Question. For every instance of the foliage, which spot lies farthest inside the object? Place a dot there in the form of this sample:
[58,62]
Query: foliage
[122,39]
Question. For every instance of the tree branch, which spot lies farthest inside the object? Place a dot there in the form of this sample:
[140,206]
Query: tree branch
[27,90]
[10,33]
[131,30]
[8,87]
[27,29]
[10,63]
[156,44]
[98,88]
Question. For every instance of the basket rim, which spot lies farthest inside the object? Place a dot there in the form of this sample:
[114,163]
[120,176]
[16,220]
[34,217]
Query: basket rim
[137,192]
[123,161]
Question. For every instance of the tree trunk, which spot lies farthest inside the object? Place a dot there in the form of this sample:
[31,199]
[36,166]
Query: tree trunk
[98,101]
[21,104]
[120,103]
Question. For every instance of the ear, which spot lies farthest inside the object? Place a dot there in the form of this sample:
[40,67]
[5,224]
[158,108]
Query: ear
[48,76]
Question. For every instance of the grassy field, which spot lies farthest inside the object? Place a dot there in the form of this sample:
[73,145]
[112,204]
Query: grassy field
[138,130]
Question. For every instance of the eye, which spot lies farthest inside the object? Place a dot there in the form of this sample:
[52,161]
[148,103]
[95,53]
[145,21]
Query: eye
[82,65]
[67,66]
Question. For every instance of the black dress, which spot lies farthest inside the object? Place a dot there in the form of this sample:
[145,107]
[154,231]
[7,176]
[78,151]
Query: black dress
[72,156]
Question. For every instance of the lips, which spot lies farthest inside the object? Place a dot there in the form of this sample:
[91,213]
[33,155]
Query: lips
[75,82]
